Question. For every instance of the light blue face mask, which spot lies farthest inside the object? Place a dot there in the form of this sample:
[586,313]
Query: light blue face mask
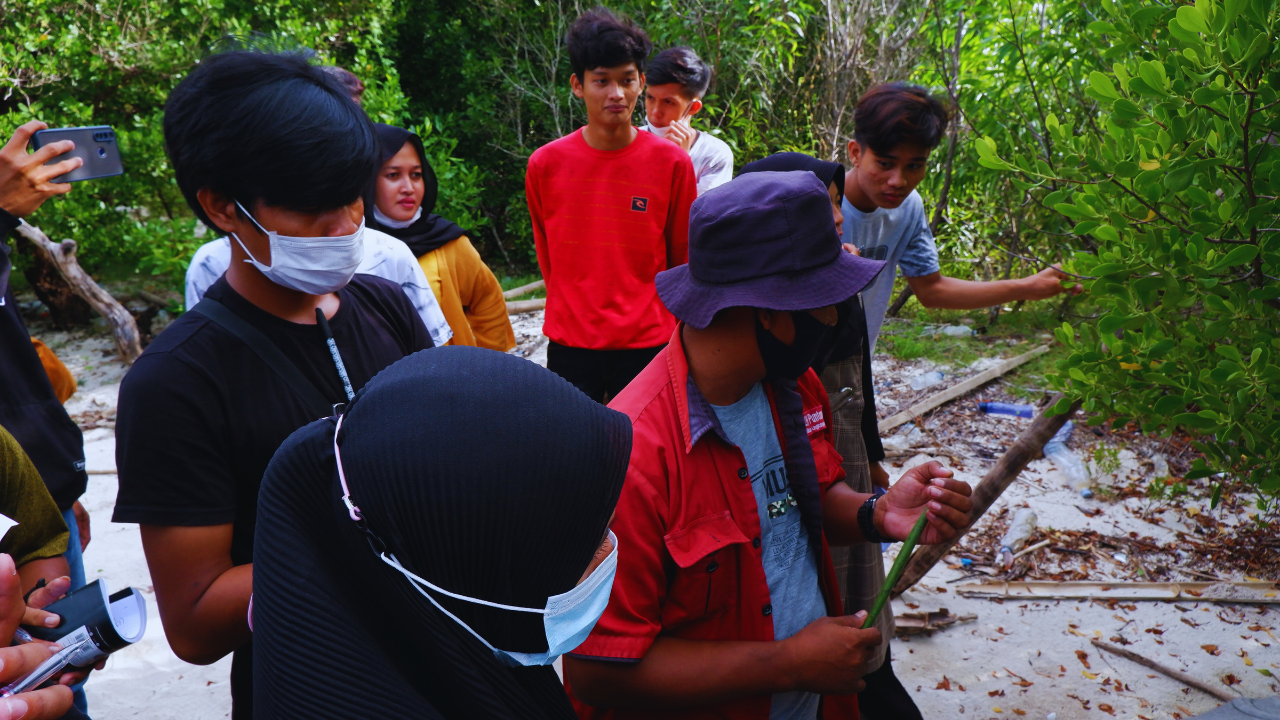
[567,619]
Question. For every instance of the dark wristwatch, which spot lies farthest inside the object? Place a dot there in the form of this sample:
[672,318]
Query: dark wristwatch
[866,517]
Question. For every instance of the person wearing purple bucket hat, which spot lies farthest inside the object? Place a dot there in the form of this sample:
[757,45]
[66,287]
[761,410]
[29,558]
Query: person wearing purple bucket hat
[726,604]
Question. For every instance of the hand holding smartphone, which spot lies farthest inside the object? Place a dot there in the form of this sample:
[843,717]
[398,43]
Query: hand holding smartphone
[96,146]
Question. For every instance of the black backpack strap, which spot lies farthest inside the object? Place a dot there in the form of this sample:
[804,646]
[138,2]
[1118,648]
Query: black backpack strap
[270,354]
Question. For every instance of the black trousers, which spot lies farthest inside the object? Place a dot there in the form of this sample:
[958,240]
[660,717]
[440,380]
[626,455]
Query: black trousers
[600,374]
[885,698]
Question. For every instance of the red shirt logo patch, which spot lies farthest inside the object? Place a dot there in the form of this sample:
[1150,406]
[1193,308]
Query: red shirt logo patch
[813,421]
[639,204]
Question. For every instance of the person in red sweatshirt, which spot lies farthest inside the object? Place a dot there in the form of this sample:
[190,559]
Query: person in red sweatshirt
[610,210]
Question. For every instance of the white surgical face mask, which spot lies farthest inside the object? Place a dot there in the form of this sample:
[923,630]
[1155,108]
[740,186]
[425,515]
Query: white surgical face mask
[567,618]
[312,265]
[397,224]
[659,131]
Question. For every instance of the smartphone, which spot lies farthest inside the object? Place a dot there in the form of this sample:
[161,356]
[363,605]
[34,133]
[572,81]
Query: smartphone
[96,145]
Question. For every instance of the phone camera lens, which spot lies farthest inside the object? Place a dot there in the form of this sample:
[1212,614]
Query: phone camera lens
[102,152]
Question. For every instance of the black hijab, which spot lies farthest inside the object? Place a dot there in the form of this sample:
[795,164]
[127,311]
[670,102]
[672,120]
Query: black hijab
[484,474]
[827,172]
[430,231]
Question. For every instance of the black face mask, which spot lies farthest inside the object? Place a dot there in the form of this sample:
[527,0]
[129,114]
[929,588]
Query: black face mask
[782,361]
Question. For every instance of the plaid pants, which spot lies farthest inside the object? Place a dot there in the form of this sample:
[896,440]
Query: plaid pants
[859,568]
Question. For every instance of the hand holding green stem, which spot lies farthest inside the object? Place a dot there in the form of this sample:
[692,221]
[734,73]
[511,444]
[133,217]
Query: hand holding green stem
[895,573]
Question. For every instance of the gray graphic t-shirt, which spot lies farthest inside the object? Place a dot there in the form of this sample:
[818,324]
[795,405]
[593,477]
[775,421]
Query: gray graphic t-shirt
[901,238]
[790,565]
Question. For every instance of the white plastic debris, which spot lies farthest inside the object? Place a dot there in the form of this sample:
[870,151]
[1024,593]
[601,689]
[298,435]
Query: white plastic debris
[958,331]
[1067,462]
[1160,467]
[1024,523]
[925,380]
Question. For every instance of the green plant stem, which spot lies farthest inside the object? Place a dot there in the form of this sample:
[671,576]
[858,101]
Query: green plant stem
[899,565]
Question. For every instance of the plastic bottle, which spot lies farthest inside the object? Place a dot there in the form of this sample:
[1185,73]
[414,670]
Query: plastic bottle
[958,331]
[999,408]
[925,380]
[1160,466]
[1067,462]
[1024,523]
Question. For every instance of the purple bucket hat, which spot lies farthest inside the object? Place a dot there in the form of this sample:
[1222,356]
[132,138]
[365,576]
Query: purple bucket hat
[764,240]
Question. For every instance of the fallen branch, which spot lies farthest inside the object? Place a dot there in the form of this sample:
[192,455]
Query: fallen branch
[1240,593]
[1181,677]
[959,389]
[63,256]
[515,307]
[524,289]
[1000,476]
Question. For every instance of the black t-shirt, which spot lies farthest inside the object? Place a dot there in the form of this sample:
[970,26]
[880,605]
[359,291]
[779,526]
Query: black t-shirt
[201,414]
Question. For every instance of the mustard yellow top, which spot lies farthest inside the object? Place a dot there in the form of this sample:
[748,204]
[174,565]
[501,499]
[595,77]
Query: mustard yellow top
[469,295]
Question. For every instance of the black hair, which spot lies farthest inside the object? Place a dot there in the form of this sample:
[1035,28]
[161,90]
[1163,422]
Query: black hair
[682,66]
[268,127]
[601,39]
[893,113]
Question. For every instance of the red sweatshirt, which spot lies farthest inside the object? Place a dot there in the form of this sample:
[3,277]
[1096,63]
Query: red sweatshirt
[604,224]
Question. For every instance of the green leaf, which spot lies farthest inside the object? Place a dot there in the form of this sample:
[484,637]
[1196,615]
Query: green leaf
[1195,421]
[1126,169]
[1111,323]
[1181,33]
[1264,672]
[1207,95]
[1180,179]
[1101,27]
[1239,256]
[1198,468]
[1191,19]
[1168,405]
[1076,374]
[1229,352]
[1233,8]
[1153,74]
[1140,86]
[1103,85]
[1126,109]
[1106,232]
[1161,349]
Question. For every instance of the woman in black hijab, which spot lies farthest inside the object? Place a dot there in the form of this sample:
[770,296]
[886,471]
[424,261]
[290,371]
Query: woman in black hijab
[479,473]
[401,203]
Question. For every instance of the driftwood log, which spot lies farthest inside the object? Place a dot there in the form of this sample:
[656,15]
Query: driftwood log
[63,256]
[524,289]
[1006,470]
[515,307]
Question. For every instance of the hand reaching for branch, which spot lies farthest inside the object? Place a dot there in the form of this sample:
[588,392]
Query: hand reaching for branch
[927,488]
[25,182]
[1047,283]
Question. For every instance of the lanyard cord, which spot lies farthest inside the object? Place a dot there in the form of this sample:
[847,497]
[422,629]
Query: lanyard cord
[333,351]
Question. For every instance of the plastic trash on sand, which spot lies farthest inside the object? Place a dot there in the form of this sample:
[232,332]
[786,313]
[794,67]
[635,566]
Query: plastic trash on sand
[999,408]
[925,380]
[1160,466]
[1024,523]
[958,331]
[1067,462]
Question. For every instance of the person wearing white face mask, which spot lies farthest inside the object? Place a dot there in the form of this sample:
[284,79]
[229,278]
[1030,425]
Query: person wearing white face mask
[291,330]
[424,569]
[677,81]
